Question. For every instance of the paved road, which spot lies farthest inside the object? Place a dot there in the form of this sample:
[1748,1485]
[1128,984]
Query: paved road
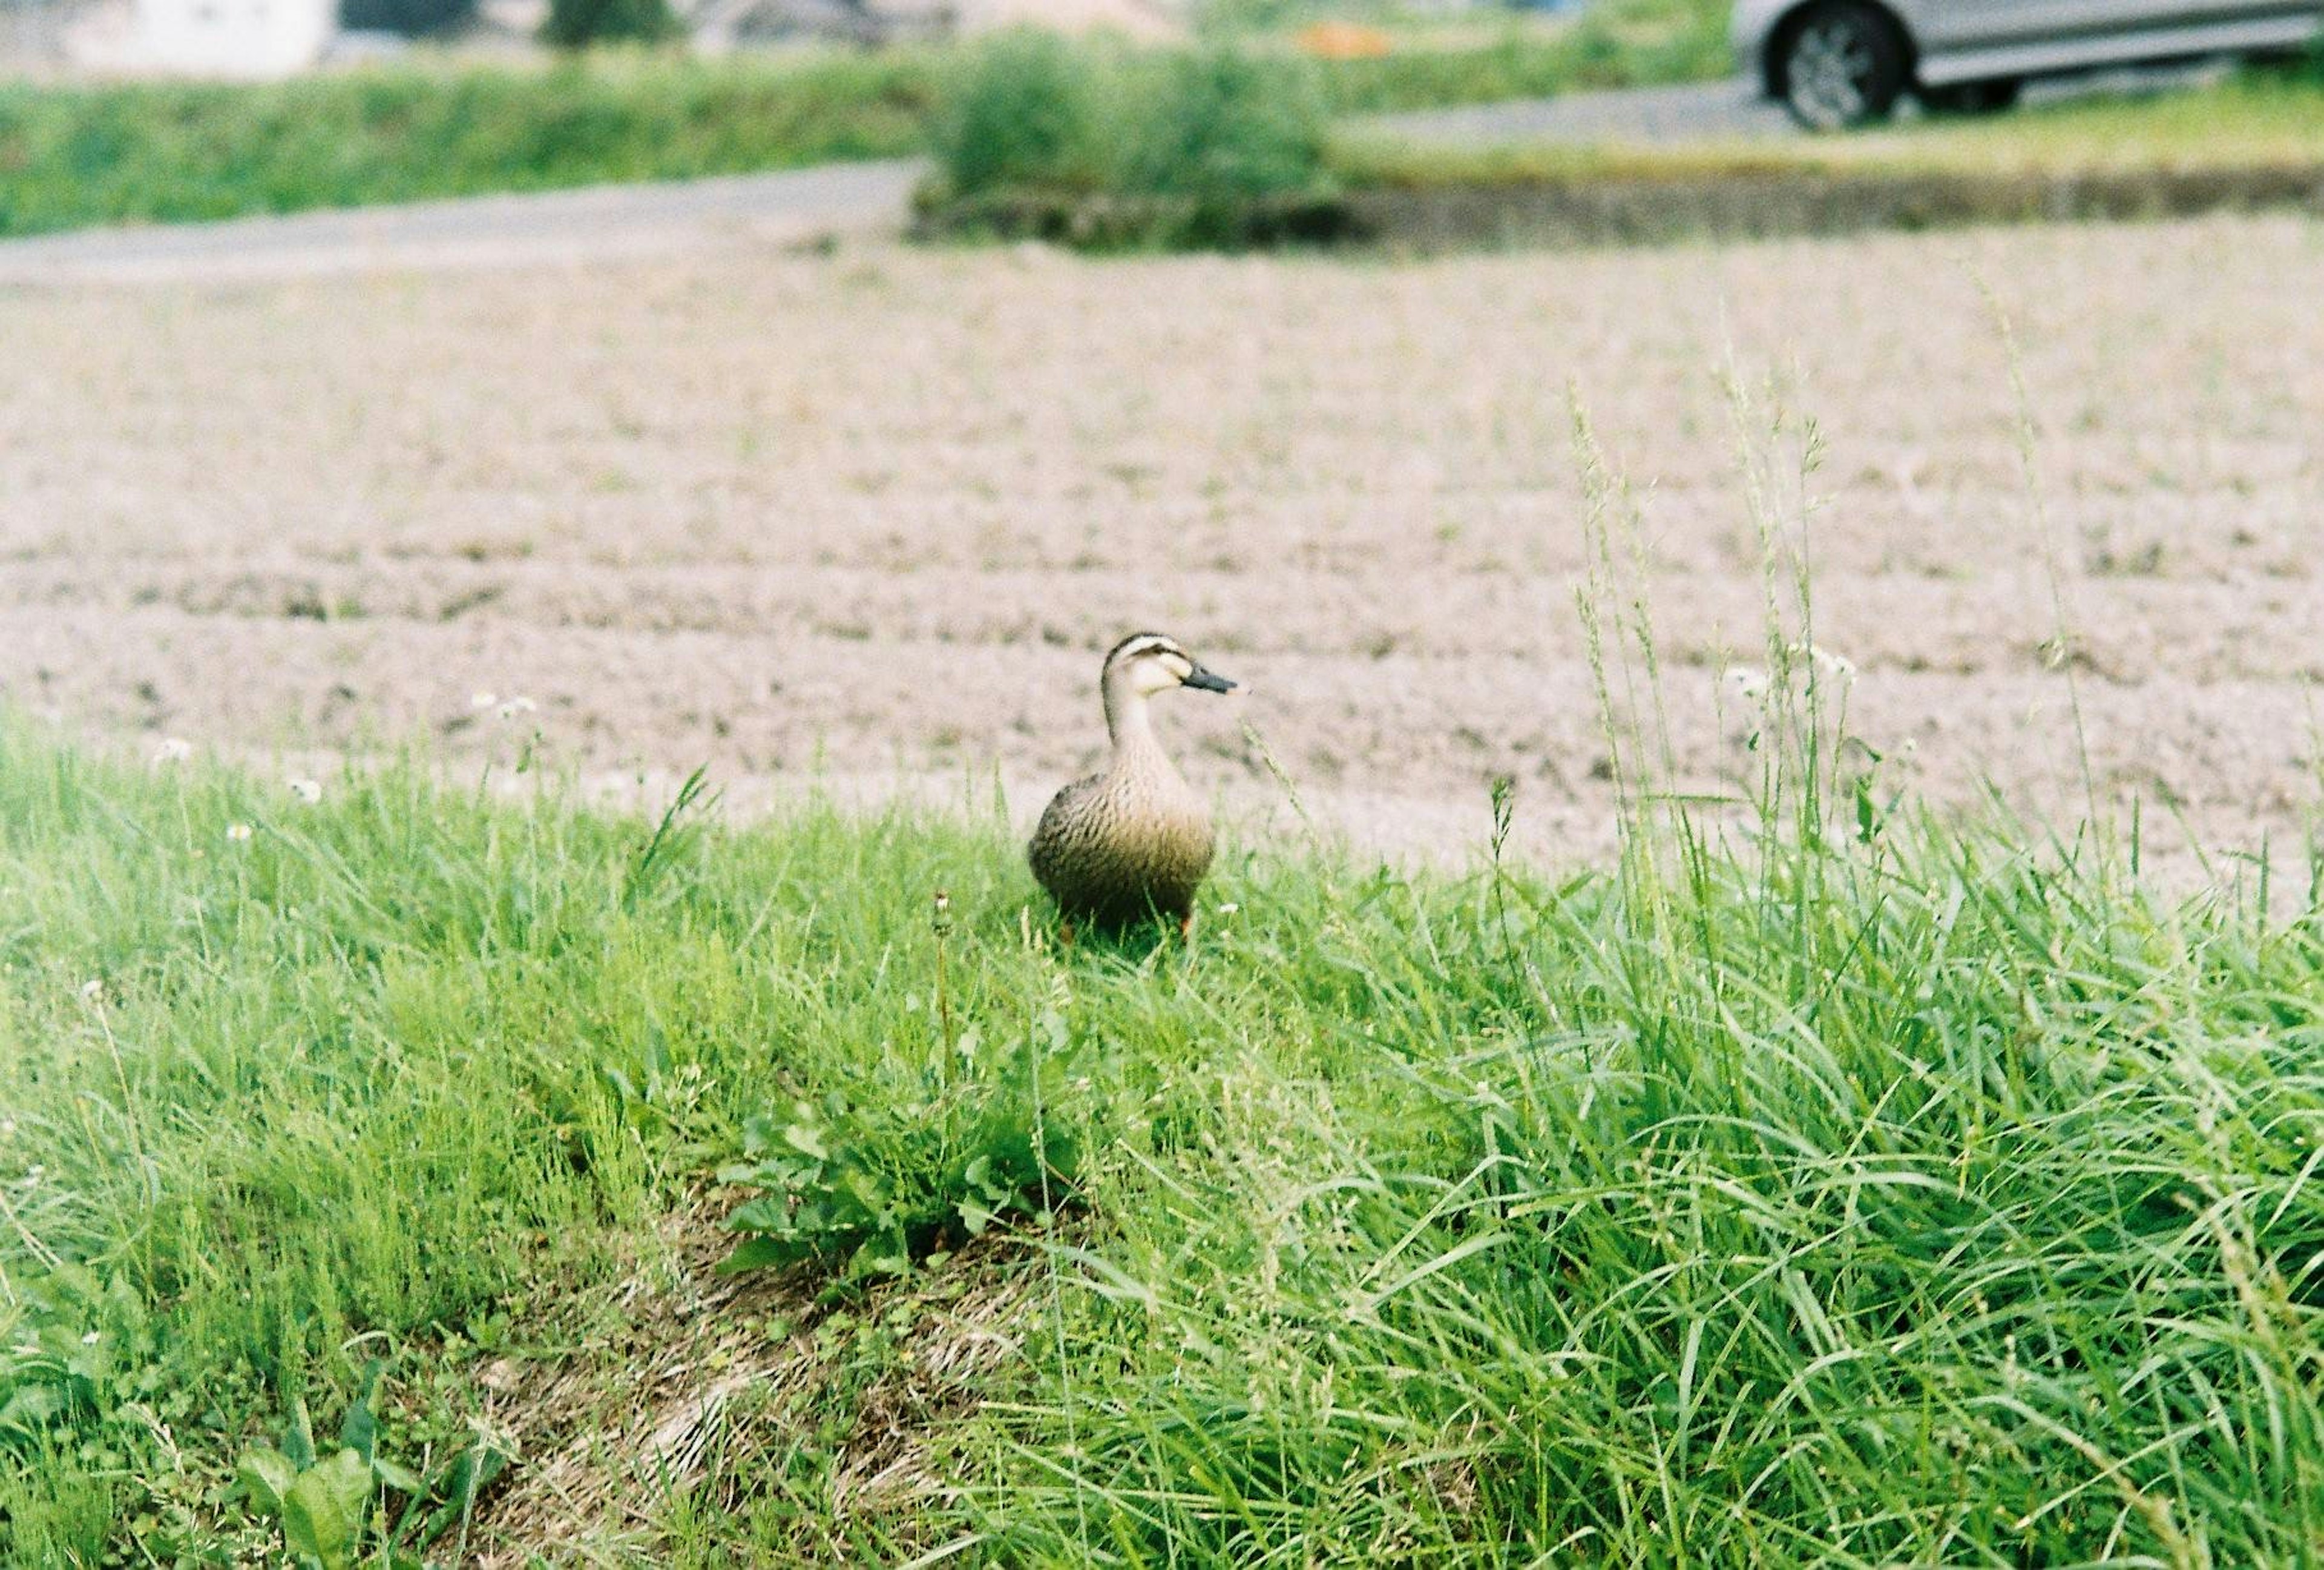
[560,227]
[1708,109]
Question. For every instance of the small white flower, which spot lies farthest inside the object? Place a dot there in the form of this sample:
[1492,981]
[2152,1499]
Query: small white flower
[512,706]
[8,1127]
[308,792]
[173,750]
[1747,683]
[1228,907]
[480,698]
[32,1176]
[91,991]
[1832,667]
[91,1339]
[238,832]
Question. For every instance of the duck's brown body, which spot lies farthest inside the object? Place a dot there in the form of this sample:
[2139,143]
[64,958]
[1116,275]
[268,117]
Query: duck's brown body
[1125,845]
[1133,842]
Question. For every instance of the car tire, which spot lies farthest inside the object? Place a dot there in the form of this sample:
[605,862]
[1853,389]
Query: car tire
[1841,65]
[1973,97]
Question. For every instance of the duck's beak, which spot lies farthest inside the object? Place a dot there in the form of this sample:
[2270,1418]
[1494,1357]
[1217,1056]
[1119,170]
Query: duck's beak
[1208,680]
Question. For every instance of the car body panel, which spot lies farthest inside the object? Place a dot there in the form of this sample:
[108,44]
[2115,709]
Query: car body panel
[2048,57]
[1966,41]
[1943,26]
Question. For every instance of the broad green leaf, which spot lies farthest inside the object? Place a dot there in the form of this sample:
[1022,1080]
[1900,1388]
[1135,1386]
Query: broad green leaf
[764,1215]
[323,1511]
[298,1444]
[359,1430]
[402,1479]
[266,1475]
[757,1253]
[458,1485]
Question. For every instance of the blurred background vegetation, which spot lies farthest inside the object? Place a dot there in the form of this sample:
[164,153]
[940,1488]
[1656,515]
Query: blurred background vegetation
[1244,128]
[440,122]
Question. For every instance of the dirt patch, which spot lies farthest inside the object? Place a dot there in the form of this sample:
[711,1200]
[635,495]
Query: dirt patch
[679,1372]
[868,520]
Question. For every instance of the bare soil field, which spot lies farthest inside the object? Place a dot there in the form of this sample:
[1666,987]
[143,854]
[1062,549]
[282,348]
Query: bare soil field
[865,520]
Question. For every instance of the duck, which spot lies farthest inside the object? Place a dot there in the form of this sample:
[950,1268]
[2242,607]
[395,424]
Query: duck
[1132,842]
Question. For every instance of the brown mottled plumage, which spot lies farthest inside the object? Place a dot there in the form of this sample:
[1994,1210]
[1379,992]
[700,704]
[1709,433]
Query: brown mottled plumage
[1132,842]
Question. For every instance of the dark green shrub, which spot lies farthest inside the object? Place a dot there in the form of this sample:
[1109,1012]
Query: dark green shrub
[578,23]
[1023,110]
[1222,126]
[1095,148]
[412,18]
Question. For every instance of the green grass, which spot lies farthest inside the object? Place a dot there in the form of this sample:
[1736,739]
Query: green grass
[1881,1191]
[171,153]
[2256,120]
[77,155]
[1613,44]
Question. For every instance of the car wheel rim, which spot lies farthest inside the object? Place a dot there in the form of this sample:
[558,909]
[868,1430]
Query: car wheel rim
[1832,70]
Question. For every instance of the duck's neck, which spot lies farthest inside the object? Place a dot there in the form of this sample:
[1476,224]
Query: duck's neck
[1130,723]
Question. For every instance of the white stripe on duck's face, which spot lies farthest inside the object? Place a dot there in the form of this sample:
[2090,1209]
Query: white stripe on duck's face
[1145,666]
[1149,663]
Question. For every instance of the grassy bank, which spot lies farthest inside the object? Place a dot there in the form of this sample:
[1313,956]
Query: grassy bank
[2260,119]
[172,153]
[2250,143]
[1895,1193]
[77,155]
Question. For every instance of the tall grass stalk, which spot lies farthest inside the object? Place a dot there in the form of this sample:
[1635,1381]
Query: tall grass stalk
[2062,643]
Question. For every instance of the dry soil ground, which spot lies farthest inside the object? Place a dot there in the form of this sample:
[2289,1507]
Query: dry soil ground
[869,517]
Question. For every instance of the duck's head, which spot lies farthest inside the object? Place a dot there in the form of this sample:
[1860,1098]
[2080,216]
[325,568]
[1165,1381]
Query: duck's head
[1146,663]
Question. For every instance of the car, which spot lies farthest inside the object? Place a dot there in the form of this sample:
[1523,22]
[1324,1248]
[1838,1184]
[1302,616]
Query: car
[1840,63]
